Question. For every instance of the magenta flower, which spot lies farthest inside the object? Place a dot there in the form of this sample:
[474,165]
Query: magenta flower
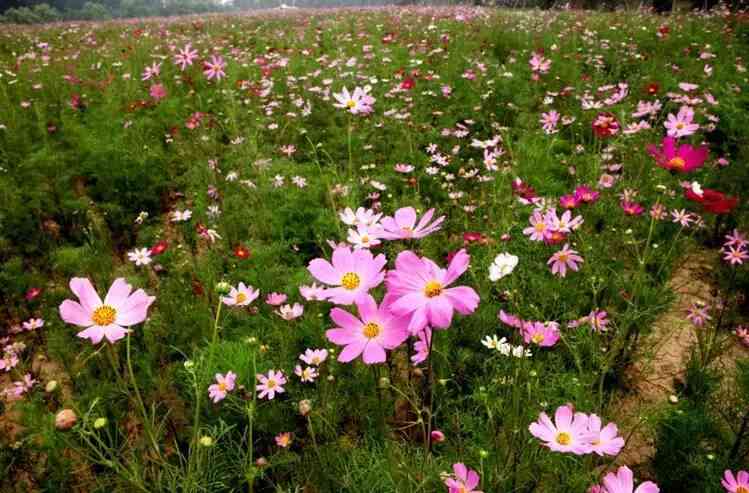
[185,57]
[606,440]
[422,346]
[214,68]
[539,333]
[157,92]
[735,484]
[224,384]
[464,480]
[109,318]
[420,288]
[682,160]
[568,433]
[270,384]
[352,274]
[376,330]
[622,481]
[586,194]
[563,259]
[631,208]
[402,226]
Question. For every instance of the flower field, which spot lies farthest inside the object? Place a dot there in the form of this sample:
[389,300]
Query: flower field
[411,249]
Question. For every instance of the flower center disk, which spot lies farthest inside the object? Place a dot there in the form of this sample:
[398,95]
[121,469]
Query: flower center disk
[350,281]
[104,315]
[432,289]
[564,438]
[371,330]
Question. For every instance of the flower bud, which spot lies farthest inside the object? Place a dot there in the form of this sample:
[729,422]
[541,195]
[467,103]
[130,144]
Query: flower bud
[65,419]
[100,423]
[305,407]
[223,287]
[51,386]
[206,441]
[384,382]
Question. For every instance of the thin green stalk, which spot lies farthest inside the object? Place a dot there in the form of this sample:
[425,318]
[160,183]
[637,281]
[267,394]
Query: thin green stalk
[147,424]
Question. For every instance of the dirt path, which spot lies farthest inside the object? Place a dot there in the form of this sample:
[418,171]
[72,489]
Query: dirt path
[663,357]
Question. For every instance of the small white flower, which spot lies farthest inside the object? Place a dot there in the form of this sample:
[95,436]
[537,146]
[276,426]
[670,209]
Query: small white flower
[178,216]
[503,265]
[140,256]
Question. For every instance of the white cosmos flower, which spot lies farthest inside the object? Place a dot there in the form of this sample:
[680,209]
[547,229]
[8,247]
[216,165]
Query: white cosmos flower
[502,266]
[140,256]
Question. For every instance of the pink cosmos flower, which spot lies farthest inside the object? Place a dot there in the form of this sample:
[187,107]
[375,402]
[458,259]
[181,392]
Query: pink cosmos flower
[683,159]
[421,290]
[312,292]
[241,295]
[284,439]
[224,384]
[109,318]
[464,480]
[352,274]
[357,102]
[622,481]
[681,125]
[735,255]
[152,71]
[586,194]
[376,330]
[735,484]
[568,202]
[33,324]
[290,312]
[631,208]
[306,374]
[541,334]
[314,357]
[270,384]
[422,346]
[539,229]
[275,299]
[185,57]
[157,92]
[402,226]
[214,68]
[563,259]
[568,433]
[606,440]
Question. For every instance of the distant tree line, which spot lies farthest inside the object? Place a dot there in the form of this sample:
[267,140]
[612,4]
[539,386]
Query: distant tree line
[36,11]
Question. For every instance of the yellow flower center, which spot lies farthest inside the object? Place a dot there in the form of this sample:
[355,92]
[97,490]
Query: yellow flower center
[564,438]
[222,386]
[271,384]
[350,280]
[351,103]
[563,257]
[241,298]
[677,163]
[538,338]
[742,489]
[104,315]
[371,330]
[432,289]
[365,239]
[679,125]
[540,227]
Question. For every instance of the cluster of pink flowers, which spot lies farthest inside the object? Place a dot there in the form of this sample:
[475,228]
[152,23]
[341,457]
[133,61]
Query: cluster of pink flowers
[10,354]
[577,433]
[735,251]
[17,389]
[542,334]
[418,298]
[369,228]
[551,228]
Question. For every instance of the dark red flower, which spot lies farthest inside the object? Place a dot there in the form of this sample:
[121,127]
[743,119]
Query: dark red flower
[408,84]
[605,125]
[159,248]
[473,237]
[33,293]
[652,88]
[242,252]
[522,189]
[713,200]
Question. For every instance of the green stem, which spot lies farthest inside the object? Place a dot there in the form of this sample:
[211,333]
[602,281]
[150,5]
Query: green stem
[147,424]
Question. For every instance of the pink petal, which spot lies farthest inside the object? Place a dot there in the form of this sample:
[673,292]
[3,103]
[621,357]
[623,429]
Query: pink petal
[95,334]
[373,353]
[463,299]
[73,313]
[86,293]
[440,312]
[345,320]
[342,337]
[405,217]
[324,272]
[351,351]
[114,332]
[117,293]
[134,310]
[457,266]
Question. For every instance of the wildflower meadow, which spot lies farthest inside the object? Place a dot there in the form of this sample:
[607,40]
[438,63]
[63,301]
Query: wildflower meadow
[381,249]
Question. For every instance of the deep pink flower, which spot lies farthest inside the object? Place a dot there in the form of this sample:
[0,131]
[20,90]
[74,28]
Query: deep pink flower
[109,318]
[157,92]
[374,331]
[683,159]
[622,481]
[403,224]
[464,480]
[735,484]
[631,208]
[352,274]
[420,288]
[540,333]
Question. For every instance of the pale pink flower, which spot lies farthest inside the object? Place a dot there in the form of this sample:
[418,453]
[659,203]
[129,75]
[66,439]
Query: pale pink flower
[463,480]
[403,224]
[564,259]
[270,384]
[622,481]
[681,124]
[185,57]
[290,312]
[351,273]
[241,295]
[275,299]
[606,440]
[106,319]
[567,433]
[308,374]
[214,68]
[224,384]
[314,357]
